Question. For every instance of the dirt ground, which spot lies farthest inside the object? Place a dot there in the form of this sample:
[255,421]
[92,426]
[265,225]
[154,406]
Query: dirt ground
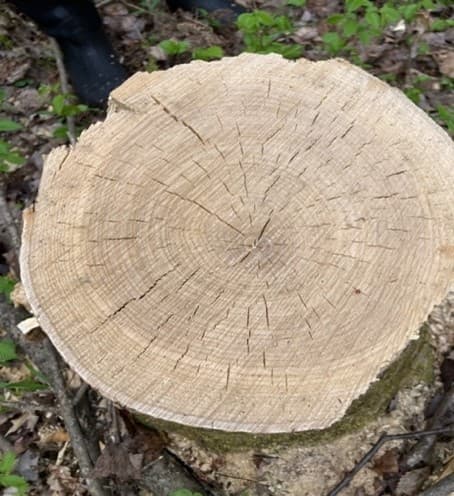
[410,56]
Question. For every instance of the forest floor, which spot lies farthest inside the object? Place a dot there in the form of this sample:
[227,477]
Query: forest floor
[410,45]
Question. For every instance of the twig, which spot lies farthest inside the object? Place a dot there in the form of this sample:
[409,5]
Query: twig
[384,438]
[65,88]
[101,3]
[444,487]
[80,393]
[44,356]
[423,448]
[26,407]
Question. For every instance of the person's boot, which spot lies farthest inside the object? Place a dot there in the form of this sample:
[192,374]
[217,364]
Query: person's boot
[89,58]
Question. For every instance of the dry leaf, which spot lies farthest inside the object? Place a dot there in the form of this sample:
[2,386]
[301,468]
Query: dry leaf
[388,463]
[61,482]
[445,61]
[115,461]
[28,419]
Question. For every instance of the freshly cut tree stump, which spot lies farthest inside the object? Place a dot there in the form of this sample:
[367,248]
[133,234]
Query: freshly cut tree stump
[243,245]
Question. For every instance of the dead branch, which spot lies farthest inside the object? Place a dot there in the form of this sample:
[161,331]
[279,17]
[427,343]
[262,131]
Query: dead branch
[384,438]
[43,355]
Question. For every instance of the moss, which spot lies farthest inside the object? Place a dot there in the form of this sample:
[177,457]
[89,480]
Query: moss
[414,365]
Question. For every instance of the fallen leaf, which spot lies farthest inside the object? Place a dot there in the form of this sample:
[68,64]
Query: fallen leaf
[61,482]
[114,461]
[28,419]
[388,463]
[445,60]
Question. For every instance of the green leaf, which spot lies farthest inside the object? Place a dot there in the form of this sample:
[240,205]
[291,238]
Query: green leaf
[6,125]
[335,18]
[389,14]
[333,42]
[296,3]
[372,18]
[26,385]
[414,94]
[350,27]
[352,5]
[209,53]
[428,4]
[7,462]
[7,351]
[292,51]
[2,95]
[264,18]
[6,285]
[442,24]
[61,132]
[58,104]
[174,47]
[14,481]
[365,36]
[409,11]
[446,114]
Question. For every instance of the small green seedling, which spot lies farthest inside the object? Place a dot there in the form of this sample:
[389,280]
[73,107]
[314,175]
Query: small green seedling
[296,3]
[446,116]
[7,478]
[174,47]
[7,351]
[6,286]
[7,125]
[184,492]
[262,32]
[210,53]
[364,20]
[10,158]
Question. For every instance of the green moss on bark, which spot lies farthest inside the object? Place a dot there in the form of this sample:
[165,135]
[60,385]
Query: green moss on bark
[414,365]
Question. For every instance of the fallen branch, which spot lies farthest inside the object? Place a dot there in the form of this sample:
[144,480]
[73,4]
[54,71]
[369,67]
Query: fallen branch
[43,355]
[384,438]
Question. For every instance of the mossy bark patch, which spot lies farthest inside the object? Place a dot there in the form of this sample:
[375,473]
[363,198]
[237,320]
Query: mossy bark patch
[414,365]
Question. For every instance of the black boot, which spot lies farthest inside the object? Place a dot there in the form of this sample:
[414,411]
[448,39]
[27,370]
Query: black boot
[90,61]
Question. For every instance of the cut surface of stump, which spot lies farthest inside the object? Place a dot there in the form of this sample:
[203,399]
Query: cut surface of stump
[243,245]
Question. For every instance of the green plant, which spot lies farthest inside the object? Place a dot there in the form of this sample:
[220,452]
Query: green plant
[6,286]
[446,116]
[7,351]
[296,3]
[35,382]
[262,32]
[365,20]
[174,47]
[210,53]
[10,158]
[7,125]
[184,492]
[7,478]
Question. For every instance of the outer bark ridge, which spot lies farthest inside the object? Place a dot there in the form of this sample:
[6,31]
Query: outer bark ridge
[243,245]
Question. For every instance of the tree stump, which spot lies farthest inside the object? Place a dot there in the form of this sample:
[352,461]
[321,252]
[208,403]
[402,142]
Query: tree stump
[243,245]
